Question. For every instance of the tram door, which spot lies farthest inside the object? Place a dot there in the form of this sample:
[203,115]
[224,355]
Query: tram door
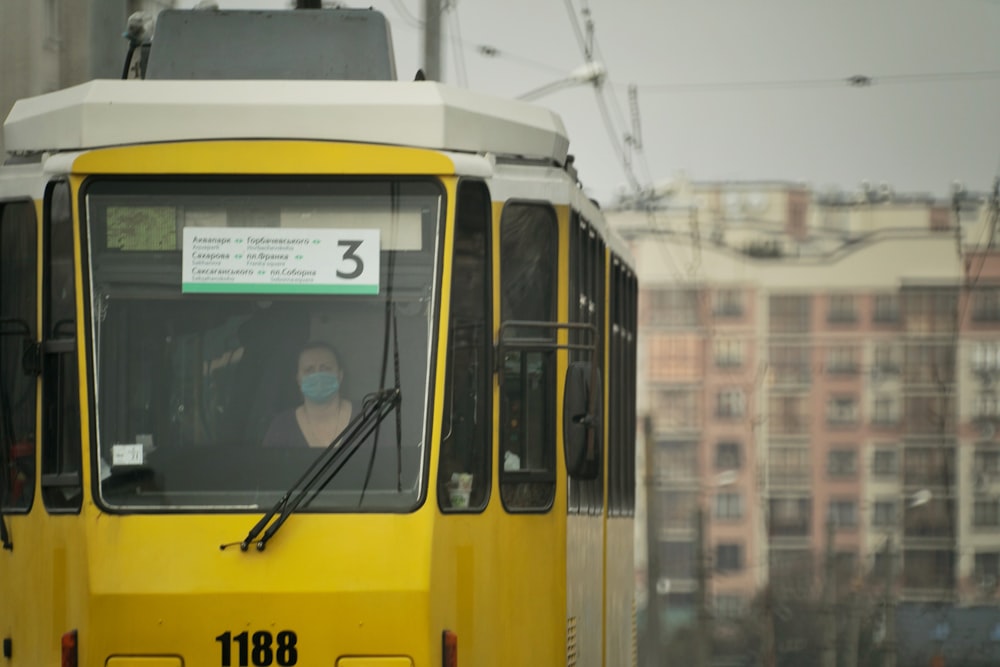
[528,429]
[18,322]
[585,525]
[18,389]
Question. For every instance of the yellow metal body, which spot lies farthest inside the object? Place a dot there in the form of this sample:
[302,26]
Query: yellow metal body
[358,590]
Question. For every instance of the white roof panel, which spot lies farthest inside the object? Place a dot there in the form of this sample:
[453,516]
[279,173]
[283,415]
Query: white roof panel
[422,114]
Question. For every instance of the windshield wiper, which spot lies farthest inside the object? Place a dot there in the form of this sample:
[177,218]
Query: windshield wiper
[375,408]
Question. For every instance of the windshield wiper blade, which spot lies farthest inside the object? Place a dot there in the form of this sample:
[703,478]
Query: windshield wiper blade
[4,535]
[375,408]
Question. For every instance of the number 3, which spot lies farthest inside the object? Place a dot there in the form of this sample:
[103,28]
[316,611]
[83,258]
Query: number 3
[351,254]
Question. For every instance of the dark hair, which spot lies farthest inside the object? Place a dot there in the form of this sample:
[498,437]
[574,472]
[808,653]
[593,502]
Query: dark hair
[319,345]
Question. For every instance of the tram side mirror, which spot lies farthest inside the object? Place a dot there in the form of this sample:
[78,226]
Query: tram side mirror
[583,421]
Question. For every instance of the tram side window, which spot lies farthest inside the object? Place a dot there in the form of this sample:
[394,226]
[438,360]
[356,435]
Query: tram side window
[587,305]
[18,271]
[528,279]
[464,476]
[621,413]
[61,479]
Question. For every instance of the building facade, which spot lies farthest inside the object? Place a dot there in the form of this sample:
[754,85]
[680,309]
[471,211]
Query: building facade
[812,360]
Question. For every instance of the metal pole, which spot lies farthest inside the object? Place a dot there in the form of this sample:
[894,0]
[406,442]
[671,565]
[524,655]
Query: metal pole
[853,629]
[652,634]
[703,628]
[770,648]
[829,655]
[889,646]
[432,40]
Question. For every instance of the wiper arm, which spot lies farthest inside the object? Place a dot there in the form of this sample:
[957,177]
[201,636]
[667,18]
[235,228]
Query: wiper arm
[4,535]
[375,408]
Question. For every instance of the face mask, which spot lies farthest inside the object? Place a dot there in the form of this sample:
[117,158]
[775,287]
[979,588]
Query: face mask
[320,387]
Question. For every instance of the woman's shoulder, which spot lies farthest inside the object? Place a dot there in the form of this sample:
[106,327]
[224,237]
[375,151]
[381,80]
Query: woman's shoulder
[284,429]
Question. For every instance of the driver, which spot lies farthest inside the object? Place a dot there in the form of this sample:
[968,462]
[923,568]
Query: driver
[324,413]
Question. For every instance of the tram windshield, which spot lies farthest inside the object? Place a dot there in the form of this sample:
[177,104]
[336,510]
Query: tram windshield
[239,325]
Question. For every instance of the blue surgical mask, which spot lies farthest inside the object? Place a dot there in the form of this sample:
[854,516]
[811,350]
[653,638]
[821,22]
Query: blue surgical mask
[320,387]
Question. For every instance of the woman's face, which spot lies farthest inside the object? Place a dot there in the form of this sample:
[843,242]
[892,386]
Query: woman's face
[317,360]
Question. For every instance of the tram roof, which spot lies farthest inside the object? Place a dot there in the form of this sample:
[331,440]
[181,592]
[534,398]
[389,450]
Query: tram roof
[420,114]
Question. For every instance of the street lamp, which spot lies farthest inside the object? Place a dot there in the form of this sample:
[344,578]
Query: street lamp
[592,73]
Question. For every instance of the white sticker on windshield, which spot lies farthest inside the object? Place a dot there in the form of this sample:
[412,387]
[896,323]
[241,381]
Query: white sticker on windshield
[264,260]
[126,455]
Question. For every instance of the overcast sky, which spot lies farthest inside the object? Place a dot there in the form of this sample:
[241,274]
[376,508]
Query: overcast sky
[743,89]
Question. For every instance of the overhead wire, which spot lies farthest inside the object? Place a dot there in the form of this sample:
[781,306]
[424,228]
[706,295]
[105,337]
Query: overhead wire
[586,45]
[596,50]
[405,14]
[854,81]
[455,34]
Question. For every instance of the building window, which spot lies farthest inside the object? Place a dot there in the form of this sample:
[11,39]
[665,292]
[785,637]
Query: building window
[793,571]
[986,513]
[929,568]
[676,460]
[885,412]
[677,508]
[935,518]
[885,463]
[843,513]
[886,359]
[727,456]
[790,364]
[842,309]
[674,307]
[728,557]
[986,405]
[930,311]
[788,465]
[986,305]
[677,559]
[987,564]
[675,409]
[674,357]
[730,404]
[929,364]
[884,514]
[986,357]
[986,570]
[931,415]
[842,359]
[788,415]
[886,308]
[728,506]
[727,303]
[986,461]
[842,410]
[729,607]
[929,466]
[728,352]
[790,314]
[789,517]
[842,463]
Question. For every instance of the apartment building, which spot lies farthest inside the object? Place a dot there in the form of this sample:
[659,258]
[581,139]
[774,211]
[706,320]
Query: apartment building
[819,358]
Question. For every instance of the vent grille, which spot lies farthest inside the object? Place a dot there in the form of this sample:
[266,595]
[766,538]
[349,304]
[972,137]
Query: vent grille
[571,648]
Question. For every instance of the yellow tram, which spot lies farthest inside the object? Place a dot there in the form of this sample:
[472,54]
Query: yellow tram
[170,246]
